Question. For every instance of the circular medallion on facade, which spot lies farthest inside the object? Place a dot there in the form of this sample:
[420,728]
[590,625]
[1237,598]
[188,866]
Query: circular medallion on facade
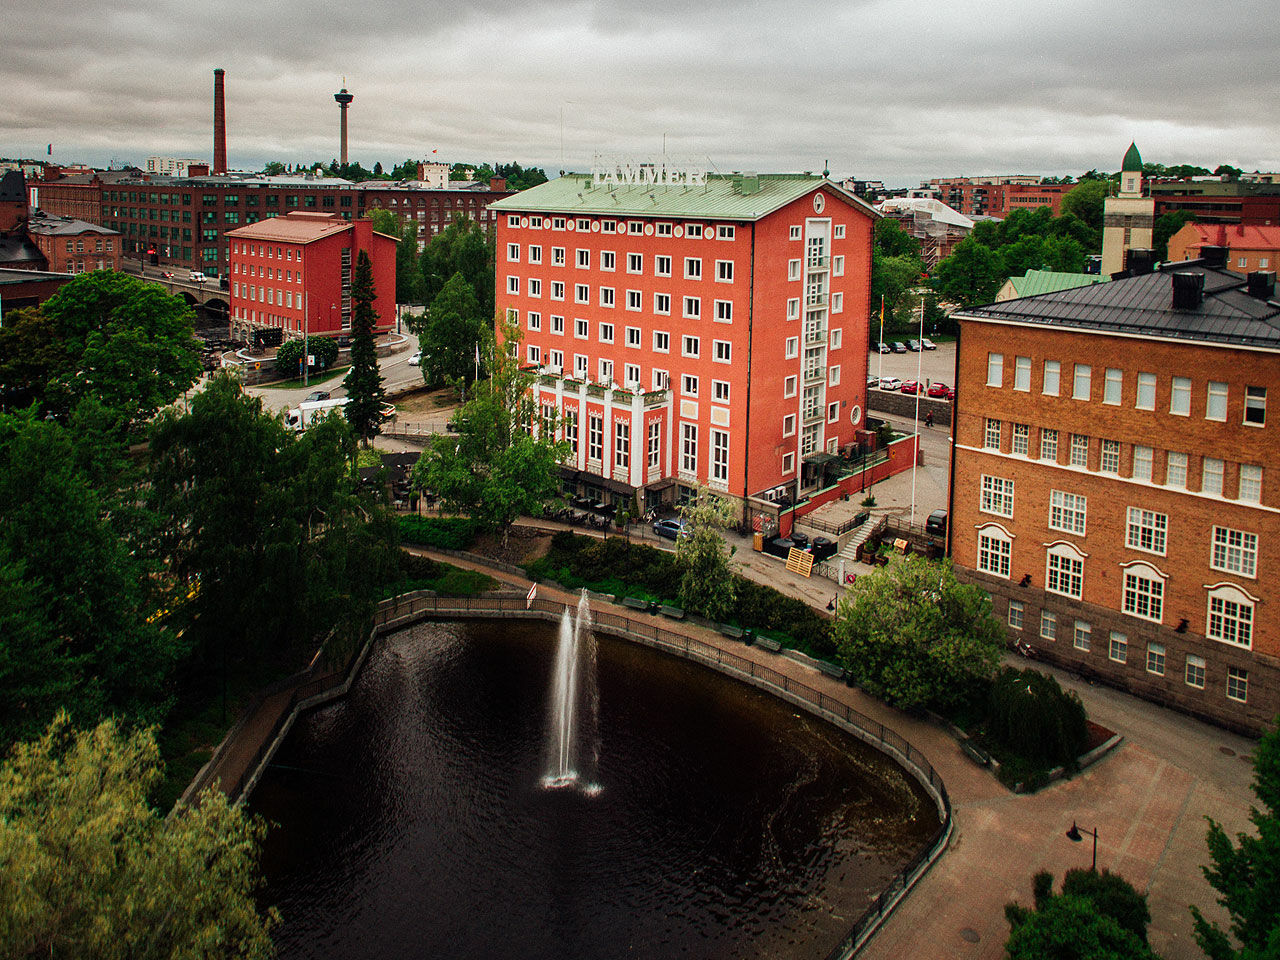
[648,229]
[709,233]
[855,415]
[595,226]
[524,221]
[678,231]
[572,225]
[819,202]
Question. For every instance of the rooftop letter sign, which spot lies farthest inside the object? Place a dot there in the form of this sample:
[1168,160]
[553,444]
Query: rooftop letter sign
[659,172]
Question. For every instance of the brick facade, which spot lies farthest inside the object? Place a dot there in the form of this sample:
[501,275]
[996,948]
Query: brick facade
[1146,475]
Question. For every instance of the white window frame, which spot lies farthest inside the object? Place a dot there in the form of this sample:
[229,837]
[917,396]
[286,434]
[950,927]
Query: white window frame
[995,369]
[1146,530]
[722,351]
[1048,625]
[693,268]
[633,337]
[1229,616]
[1145,397]
[1180,397]
[1118,647]
[1068,512]
[1064,570]
[1250,483]
[995,551]
[1022,374]
[1143,593]
[1238,684]
[1113,386]
[690,346]
[1082,382]
[1217,394]
[995,496]
[1049,444]
[1234,551]
[661,341]
[1193,672]
[1052,378]
[1016,615]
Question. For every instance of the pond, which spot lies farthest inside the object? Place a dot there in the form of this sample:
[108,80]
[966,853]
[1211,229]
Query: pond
[411,820]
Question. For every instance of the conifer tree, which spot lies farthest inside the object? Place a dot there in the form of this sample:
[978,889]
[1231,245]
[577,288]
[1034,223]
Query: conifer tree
[363,383]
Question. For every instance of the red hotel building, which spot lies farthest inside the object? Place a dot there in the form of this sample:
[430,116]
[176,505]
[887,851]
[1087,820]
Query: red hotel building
[709,331]
[1114,482]
[305,261]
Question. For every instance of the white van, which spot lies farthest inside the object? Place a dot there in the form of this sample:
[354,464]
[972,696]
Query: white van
[197,277]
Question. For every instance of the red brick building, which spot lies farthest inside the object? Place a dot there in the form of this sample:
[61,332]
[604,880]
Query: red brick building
[294,273]
[1248,247]
[74,246]
[1114,482]
[706,332]
[182,223]
[997,196]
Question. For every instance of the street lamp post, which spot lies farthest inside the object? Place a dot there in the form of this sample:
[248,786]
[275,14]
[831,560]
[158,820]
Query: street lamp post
[1075,835]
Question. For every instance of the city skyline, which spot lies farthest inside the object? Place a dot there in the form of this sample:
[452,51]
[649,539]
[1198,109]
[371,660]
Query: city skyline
[766,87]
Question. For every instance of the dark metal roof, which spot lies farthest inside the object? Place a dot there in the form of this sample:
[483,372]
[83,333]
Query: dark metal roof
[1143,306]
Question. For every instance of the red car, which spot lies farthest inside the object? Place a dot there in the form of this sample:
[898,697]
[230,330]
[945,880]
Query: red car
[939,389]
[910,386]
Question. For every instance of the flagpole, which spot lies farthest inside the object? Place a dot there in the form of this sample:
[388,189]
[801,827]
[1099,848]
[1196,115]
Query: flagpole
[879,352]
[916,459]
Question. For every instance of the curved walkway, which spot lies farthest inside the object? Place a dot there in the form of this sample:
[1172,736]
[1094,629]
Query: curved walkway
[1148,799]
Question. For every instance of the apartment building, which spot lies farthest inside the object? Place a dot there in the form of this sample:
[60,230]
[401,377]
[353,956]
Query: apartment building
[1114,482]
[693,328]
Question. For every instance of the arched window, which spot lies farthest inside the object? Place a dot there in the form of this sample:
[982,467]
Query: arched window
[1229,618]
[995,550]
[1064,569]
[1143,592]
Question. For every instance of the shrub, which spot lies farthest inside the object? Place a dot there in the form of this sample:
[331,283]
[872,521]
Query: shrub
[447,533]
[1032,716]
[289,355]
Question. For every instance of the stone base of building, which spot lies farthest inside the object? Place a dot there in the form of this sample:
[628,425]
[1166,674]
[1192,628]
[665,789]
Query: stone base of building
[1083,645]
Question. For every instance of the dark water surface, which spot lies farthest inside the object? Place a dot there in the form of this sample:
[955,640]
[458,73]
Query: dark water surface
[411,822]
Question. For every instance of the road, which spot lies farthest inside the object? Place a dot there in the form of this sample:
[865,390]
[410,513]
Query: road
[395,369]
[934,365]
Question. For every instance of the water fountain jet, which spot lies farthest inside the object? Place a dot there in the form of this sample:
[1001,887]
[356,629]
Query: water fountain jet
[573,741]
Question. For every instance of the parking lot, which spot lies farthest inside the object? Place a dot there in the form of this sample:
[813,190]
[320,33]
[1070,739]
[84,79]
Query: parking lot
[934,365]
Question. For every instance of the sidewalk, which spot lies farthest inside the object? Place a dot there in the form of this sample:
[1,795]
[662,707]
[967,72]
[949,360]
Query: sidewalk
[1148,799]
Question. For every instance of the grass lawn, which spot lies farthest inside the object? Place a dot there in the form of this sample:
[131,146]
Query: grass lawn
[317,380]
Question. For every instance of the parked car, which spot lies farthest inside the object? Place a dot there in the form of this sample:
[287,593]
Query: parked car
[899,347]
[315,395]
[938,389]
[416,359]
[928,344]
[913,346]
[883,347]
[872,380]
[166,274]
[910,386]
[890,383]
[672,528]
[195,276]
[937,523]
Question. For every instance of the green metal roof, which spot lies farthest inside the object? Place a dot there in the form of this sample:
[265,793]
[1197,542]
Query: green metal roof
[1132,159]
[1036,282]
[721,197]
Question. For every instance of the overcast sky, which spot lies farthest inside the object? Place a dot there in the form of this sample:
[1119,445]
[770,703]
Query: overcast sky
[882,89]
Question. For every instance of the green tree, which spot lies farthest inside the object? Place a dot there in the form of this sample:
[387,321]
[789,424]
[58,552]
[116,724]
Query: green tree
[127,342]
[88,869]
[273,169]
[892,241]
[1228,172]
[405,171]
[1070,927]
[31,356]
[451,332]
[1246,873]
[461,247]
[703,557]
[911,634]
[504,462]
[269,524]
[1166,225]
[1085,201]
[408,267]
[971,275]
[324,350]
[76,595]
[1034,717]
[363,382]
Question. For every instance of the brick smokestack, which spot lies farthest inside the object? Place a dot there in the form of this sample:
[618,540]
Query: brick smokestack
[219,123]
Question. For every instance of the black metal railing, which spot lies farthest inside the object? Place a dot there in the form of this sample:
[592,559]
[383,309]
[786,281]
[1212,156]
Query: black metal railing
[400,612]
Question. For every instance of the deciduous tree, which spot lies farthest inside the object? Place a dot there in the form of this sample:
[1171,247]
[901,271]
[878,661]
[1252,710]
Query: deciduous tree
[913,635]
[971,275]
[88,869]
[504,462]
[706,585]
[451,333]
[127,343]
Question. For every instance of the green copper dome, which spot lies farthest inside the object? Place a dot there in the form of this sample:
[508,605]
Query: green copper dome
[1132,159]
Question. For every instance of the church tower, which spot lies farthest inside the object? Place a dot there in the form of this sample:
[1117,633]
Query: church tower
[1128,218]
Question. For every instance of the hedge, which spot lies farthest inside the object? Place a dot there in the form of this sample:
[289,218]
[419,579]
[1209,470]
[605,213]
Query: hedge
[447,533]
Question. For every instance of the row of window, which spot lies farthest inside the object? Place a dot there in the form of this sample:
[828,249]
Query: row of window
[1137,461]
[634,299]
[77,245]
[660,379]
[608,262]
[1156,660]
[1142,388]
[267,273]
[267,251]
[621,452]
[1229,609]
